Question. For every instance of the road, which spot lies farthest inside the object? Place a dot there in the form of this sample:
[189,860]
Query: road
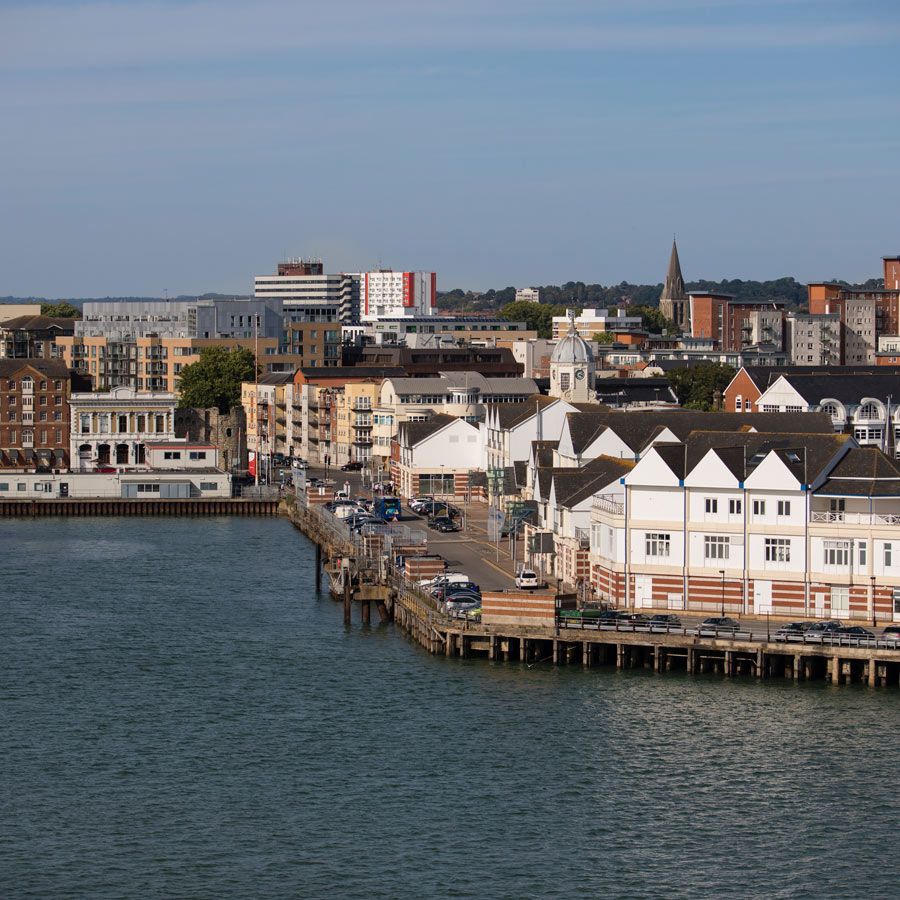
[468,551]
[489,565]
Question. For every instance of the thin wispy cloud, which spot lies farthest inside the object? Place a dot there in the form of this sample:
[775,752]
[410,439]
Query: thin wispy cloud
[128,34]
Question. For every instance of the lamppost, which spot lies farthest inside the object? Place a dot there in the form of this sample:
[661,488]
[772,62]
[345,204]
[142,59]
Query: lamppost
[722,573]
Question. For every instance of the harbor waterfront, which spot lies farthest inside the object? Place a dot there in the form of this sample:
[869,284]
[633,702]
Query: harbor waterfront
[183,715]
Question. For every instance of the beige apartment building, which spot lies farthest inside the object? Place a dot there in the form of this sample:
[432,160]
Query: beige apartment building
[154,363]
[353,421]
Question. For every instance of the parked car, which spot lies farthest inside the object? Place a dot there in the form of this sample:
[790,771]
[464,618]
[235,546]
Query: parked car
[455,588]
[527,579]
[891,633]
[847,631]
[352,467]
[416,504]
[793,628]
[819,630]
[718,625]
[640,619]
[463,605]
[443,524]
[445,578]
[666,619]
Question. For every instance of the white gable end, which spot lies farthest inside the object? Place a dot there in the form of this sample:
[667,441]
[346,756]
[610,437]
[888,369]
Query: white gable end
[651,471]
[772,475]
[711,472]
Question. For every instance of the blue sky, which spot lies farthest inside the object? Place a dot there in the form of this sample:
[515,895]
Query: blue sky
[190,145]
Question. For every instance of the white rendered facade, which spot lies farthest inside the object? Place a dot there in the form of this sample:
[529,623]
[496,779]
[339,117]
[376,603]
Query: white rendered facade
[112,429]
[385,294]
[766,545]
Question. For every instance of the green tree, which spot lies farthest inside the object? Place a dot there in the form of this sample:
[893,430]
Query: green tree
[604,337]
[538,316]
[215,379]
[696,387]
[61,310]
[652,319]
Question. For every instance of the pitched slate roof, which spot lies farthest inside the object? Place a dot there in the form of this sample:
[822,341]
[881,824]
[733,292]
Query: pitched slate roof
[38,323]
[572,486]
[847,389]
[508,415]
[804,454]
[864,472]
[412,433]
[637,427]
[673,455]
[765,376]
[635,390]
[53,368]
[542,452]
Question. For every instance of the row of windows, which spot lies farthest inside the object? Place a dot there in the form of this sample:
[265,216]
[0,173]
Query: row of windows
[735,507]
[658,545]
[42,417]
[28,384]
[43,400]
[28,436]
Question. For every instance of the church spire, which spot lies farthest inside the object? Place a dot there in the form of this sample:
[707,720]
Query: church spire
[673,289]
[673,301]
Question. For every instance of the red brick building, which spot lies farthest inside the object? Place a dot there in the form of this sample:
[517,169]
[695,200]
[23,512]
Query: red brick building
[34,413]
[736,324]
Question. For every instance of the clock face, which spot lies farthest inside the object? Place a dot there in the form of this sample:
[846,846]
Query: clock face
[579,374]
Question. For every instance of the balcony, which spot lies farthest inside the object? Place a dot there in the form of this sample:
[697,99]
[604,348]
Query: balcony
[362,404]
[363,440]
[845,518]
[606,505]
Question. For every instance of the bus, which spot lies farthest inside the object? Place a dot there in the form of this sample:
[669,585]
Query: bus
[387,508]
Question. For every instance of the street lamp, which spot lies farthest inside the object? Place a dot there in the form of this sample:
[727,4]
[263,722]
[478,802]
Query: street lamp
[722,573]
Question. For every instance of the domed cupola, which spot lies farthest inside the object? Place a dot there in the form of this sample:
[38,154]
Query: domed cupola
[573,371]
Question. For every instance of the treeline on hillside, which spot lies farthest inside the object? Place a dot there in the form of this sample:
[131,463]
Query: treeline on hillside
[578,294]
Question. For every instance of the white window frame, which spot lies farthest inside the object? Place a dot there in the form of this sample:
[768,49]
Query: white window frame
[716,546]
[657,545]
[836,554]
[777,550]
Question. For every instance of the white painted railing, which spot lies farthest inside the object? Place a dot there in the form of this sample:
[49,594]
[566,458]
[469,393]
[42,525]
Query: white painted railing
[607,505]
[845,518]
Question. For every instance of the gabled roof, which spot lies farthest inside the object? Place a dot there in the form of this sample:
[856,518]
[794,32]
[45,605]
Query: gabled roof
[52,368]
[847,389]
[508,415]
[863,472]
[805,455]
[637,427]
[412,433]
[38,323]
[572,486]
[276,378]
[542,452]
[673,455]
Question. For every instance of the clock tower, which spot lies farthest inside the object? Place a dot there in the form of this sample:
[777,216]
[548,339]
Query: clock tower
[573,371]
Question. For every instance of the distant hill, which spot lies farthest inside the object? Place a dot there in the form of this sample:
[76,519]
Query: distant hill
[579,294]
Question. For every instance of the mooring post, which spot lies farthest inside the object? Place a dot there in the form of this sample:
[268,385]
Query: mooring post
[760,662]
[318,568]
[835,670]
[555,652]
[348,597]
[620,656]
[586,654]
[690,660]
[366,612]
[871,672]
[798,662]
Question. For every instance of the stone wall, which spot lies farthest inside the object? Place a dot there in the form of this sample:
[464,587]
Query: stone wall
[226,431]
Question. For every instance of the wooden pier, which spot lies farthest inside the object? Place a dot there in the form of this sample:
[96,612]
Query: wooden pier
[124,507]
[420,616]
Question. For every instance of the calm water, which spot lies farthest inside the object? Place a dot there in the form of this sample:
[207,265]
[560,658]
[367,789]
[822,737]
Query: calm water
[182,717]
